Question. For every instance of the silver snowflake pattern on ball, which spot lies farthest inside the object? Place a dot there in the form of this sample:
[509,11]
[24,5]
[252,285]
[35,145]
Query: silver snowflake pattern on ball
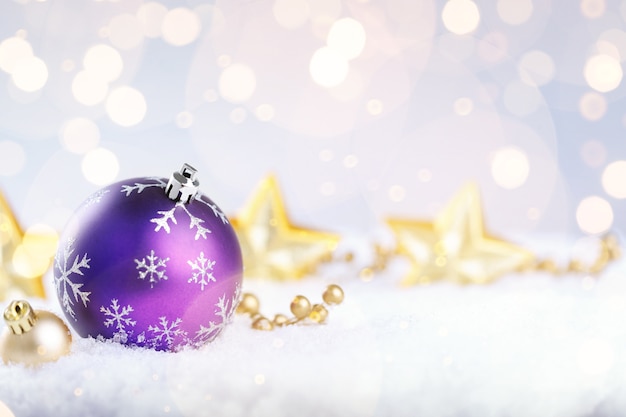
[216,211]
[67,288]
[150,267]
[165,331]
[224,309]
[166,216]
[96,197]
[202,271]
[119,317]
[169,215]
[139,187]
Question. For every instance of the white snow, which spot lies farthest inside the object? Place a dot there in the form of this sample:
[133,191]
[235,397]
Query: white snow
[528,345]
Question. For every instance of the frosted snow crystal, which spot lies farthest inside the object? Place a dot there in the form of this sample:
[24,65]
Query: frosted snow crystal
[150,267]
[67,288]
[202,271]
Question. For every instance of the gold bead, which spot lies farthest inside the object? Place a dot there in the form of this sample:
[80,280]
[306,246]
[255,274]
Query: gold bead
[318,314]
[333,294]
[548,265]
[366,274]
[300,307]
[249,304]
[262,323]
[280,320]
[576,266]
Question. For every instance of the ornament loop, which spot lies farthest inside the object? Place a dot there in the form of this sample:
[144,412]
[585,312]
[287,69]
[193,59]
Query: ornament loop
[183,185]
[20,317]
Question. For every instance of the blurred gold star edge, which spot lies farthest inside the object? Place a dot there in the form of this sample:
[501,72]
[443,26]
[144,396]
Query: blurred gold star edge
[25,256]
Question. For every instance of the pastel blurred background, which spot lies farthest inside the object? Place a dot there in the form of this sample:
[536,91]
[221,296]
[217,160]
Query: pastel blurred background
[363,108]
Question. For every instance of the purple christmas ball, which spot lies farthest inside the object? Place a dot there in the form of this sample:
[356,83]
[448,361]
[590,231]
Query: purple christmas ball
[142,269]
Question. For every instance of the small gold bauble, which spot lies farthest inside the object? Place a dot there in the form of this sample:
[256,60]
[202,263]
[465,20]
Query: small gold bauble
[33,337]
[318,313]
[333,294]
[261,323]
[280,320]
[249,304]
[300,307]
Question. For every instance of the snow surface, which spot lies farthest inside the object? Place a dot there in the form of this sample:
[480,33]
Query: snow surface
[528,345]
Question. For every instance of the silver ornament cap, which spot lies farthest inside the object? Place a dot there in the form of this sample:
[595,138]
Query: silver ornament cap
[183,185]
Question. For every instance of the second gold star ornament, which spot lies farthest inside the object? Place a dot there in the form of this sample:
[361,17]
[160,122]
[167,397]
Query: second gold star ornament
[274,248]
[455,246]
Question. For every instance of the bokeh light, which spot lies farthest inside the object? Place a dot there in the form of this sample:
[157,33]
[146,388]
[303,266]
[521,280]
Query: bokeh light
[350,161]
[180,26]
[265,112]
[89,89]
[536,68]
[515,12]
[592,9]
[328,67]
[614,179]
[463,106]
[347,36]
[126,106]
[592,106]
[30,74]
[396,193]
[237,83]
[79,135]
[291,14]
[510,167]
[374,107]
[100,166]
[460,16]
[603,73]
[125,32]
[151,16]
[13,50]
[104,62]
[594,215]
[184,119]
[12,158]
[593,153]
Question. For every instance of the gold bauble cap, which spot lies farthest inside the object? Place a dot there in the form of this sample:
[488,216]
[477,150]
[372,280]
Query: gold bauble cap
[20,317]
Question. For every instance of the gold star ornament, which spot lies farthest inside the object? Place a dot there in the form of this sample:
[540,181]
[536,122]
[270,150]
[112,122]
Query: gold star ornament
[455,246]
[274,248]
[24,256]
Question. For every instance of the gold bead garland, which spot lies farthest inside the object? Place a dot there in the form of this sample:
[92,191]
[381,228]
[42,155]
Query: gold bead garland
[609,252]
[300,307]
